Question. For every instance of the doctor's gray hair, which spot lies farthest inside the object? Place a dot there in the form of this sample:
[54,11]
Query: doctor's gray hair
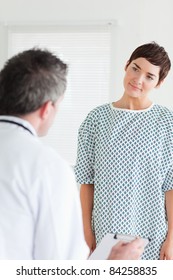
[29,79]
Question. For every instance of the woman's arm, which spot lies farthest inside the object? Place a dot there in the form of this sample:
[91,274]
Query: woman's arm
[169,210]
[87,197]
[167,248]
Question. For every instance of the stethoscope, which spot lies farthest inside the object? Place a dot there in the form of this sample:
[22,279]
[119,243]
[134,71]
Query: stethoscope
[16,123]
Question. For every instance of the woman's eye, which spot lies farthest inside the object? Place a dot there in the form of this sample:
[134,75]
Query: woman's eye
[149,78]
[134,69]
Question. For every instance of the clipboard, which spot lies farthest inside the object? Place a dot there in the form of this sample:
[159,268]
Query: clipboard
[109,240]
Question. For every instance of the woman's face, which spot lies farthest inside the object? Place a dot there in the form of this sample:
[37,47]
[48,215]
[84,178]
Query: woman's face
[141,77]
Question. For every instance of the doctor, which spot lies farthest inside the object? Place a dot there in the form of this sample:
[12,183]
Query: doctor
[40,214]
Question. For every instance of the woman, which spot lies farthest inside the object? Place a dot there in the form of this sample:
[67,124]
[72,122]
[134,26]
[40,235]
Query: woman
[125,160]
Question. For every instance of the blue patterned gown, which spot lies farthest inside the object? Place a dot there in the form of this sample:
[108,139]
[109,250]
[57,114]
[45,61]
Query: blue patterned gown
[128,156]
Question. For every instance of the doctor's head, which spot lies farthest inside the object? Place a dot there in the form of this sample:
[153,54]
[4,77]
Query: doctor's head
[31,80]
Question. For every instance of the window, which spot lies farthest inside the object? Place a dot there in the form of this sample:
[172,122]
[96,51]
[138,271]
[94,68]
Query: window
[87,51]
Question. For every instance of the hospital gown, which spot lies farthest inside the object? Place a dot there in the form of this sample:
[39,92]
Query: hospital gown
[128,156]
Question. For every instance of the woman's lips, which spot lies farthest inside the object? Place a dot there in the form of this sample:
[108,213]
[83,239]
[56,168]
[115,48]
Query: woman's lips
[134,87]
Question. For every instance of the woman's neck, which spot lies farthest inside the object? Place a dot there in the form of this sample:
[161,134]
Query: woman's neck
[132,103]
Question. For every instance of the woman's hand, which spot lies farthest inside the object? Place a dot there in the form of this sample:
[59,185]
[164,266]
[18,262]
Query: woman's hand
[166,252]
[90,240]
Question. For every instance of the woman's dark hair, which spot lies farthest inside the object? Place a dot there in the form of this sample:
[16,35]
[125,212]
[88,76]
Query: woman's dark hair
[156,55]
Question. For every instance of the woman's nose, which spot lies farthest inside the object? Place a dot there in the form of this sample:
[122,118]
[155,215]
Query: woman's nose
[138,80]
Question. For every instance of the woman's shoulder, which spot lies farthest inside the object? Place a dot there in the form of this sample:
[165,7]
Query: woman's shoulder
[164,111]
[99,111]
[165,116]
[96,116]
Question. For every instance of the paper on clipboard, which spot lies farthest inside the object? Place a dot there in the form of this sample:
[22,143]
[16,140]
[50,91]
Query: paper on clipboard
[103,249]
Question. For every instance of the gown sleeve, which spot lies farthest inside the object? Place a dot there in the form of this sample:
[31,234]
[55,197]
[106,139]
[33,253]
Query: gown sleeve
[168,182]
[84,169]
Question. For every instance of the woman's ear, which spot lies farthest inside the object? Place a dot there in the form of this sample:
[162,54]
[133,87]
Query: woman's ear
[159,84]
[127,64]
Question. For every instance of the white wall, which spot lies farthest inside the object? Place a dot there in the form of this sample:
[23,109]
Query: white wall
[139,21]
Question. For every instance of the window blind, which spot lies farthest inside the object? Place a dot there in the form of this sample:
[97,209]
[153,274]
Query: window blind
[87,52]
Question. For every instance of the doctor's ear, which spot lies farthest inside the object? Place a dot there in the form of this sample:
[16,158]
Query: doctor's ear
[45,109]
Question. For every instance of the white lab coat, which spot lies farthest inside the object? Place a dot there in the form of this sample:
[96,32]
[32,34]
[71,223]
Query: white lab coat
[40,214]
